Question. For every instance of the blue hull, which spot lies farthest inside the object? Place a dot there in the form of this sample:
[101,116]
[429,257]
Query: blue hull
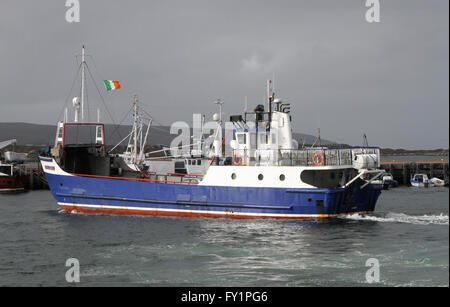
[131,197]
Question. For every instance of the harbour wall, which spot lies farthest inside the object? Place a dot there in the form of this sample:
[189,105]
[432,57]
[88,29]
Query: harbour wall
[402,171]
[34,177]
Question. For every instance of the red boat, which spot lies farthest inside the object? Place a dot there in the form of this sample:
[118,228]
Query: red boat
[10,182]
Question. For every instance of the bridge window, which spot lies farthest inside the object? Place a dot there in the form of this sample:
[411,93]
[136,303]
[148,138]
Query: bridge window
[242,139]
[253,140]
[263,138]
[179,164]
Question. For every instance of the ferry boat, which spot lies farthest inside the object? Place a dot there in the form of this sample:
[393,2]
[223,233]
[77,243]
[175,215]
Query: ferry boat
[265,176]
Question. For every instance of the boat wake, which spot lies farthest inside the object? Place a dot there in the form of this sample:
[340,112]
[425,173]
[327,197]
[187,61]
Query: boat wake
[393,217]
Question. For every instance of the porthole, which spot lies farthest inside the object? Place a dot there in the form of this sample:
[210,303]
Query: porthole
[282,177]
[309,200]
[260,177]
[233,176]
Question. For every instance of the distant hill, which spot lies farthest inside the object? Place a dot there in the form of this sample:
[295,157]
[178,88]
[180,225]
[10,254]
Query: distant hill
[44,135]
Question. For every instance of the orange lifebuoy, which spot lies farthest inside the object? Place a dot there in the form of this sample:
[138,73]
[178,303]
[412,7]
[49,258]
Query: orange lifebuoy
[321,161]
[234,160]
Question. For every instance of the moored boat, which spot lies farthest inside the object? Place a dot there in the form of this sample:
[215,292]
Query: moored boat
[437,182]
[421,181]
[386,181]
[15,157]
[10,181]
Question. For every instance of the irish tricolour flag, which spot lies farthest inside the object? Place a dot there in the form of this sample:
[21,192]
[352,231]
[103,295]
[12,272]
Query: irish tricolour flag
[111,85]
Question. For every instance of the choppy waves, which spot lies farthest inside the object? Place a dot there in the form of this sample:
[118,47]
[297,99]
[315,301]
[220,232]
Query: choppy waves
[393,217]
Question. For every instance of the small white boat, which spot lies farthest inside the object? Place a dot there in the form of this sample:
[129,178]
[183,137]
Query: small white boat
[15,157]
[421,180]
[386,181]
[437,182]
[11,156]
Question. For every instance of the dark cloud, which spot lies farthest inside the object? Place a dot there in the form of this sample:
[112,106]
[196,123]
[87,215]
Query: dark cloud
[388,79]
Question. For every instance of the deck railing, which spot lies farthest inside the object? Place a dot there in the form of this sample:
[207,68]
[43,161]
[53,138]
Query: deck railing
[302,157]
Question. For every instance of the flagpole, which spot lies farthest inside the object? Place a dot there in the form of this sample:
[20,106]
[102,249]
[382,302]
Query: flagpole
[83,80]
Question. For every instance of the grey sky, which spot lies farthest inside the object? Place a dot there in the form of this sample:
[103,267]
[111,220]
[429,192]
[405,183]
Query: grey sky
[340,73]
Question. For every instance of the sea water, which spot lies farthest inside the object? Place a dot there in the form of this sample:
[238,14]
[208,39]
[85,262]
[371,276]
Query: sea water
[408,235]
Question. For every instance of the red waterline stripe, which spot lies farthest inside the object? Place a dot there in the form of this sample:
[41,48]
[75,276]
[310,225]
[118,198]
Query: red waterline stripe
[171,213]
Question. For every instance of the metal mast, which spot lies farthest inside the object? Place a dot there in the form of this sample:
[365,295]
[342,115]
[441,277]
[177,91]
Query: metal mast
[270,98]
[83,81]
[135,126]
